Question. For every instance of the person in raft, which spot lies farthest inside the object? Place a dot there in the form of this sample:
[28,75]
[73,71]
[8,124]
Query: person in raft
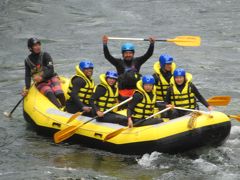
[128,66]
[164,69]
[80,89]
[183,93]
[105,97]
[39,66]
[143,103]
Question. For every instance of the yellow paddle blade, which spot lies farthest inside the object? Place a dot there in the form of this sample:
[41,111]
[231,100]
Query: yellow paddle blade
[74,116]
[114,133]
[186,40]
[219,100]
[66,133]
[237,117]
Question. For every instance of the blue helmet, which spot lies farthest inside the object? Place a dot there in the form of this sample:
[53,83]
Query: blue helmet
[148,79]
[112,74]
[179,72]
[165,59]
[85,64]
[128,47]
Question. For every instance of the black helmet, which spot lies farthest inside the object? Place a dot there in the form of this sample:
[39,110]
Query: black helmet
[33,41]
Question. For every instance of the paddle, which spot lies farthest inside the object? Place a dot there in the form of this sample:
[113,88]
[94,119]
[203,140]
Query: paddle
[74,116]
[69,131]
[219,100]
[117,132]
[194,110]
[236,117]
[15,107]
[179,40]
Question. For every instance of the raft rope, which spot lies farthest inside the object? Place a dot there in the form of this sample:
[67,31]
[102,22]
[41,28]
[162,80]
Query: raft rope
[193,120]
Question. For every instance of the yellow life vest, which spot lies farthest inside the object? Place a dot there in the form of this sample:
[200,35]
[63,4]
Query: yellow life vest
[84,93]
[145,108]
[109,99]
[162,85]
[186,98]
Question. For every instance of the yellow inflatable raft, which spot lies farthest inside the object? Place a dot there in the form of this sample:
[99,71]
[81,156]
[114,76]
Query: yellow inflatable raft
[170,136]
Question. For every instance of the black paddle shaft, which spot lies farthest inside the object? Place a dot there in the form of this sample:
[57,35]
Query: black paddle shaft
[16,106]
[160,40]
[139,122]
[90,120]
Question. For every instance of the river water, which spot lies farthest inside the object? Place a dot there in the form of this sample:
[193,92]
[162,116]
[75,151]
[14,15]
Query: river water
[70,31]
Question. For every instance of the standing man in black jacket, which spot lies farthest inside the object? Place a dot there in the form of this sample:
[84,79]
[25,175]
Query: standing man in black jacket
[128,66]
[39,67]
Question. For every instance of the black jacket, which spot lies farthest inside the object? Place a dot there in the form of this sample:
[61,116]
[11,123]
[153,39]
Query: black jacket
[47,64]
[122,65]
[128,70]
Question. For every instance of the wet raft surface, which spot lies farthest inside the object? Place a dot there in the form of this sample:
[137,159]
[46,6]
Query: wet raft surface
[76,35]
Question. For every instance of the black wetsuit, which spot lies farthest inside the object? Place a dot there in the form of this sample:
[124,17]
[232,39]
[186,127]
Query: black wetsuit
[128,70]
[74,104]
[110,117]
[137,98]
[48,73]
[47,63]
[177,113]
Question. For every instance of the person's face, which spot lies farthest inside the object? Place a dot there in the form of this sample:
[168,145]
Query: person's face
[36,48]
[148,87]
[88,72]
[168,67]
[179,80]
[111,81]
[128,55]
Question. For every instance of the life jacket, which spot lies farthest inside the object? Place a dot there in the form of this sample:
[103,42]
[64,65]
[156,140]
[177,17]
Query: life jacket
[85,92]
[129,68]
[162,84]
[186,98]
[129,78]
[36,68]
[109,99]
[145,108]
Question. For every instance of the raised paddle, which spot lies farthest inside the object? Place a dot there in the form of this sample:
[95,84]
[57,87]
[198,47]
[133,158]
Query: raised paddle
[10,114]
[179,40]
[117,132]
[69,131]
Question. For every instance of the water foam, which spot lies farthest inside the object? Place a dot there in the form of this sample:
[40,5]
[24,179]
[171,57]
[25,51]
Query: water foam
[205,166]
[235,132]
[152,161]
